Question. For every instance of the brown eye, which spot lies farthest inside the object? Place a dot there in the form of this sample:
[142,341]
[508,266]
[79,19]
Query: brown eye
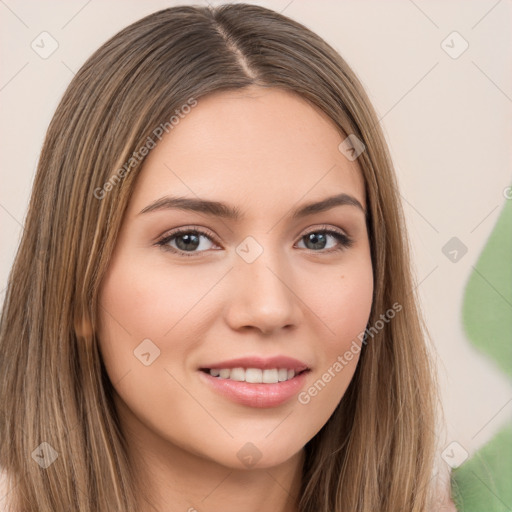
[184,241]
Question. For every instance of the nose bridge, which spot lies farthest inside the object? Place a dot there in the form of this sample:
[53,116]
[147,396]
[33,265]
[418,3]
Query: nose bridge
[262,295]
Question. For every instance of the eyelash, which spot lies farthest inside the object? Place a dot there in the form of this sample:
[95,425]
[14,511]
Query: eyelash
[345,242]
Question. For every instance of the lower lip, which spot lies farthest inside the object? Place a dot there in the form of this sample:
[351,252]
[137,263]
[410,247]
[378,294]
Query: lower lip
[256,395]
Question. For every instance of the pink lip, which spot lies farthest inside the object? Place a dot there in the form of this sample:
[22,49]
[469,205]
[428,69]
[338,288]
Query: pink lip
[255,395]
[259,362]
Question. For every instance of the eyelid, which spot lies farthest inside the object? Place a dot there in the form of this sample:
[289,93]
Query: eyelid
[323,227]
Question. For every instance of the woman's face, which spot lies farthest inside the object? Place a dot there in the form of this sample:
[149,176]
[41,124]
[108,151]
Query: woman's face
[257,288]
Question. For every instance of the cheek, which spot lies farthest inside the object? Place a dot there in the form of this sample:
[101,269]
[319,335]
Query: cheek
[350,308]
[137,304]
[140,301]
[343,300]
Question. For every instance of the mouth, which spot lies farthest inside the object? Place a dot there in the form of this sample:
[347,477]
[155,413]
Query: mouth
[255,381]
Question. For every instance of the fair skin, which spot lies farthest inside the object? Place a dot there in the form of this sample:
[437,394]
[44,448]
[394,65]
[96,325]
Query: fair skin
[267,153]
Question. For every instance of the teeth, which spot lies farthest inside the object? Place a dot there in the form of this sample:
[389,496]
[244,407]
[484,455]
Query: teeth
[237,374]
[270,376]
[254,375]
[224,374]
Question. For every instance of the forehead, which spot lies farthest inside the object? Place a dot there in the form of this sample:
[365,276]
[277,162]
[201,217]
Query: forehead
[250,147]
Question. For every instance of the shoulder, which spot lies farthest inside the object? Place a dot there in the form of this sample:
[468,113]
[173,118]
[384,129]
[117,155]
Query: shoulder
[444,501]
[447,505]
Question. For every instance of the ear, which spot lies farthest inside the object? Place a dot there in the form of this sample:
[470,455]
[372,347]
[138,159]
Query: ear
[83,325]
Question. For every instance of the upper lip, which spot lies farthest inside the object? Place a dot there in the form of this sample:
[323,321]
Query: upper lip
[260,362]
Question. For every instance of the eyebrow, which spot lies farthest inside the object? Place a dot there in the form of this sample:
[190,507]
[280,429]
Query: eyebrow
[218,209]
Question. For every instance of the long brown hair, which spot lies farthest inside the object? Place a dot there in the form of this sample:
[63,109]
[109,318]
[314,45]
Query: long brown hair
[376,452]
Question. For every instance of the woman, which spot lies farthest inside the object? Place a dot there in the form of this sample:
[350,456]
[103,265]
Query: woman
[212,306]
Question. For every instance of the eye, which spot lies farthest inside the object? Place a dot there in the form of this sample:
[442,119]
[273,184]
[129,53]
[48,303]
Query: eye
[182,241]
[319,240]
[190,241]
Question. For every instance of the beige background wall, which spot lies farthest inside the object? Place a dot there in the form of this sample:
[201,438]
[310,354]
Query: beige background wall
[447,121]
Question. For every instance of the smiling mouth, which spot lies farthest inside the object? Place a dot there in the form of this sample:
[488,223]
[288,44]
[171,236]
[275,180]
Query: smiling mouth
[254,375]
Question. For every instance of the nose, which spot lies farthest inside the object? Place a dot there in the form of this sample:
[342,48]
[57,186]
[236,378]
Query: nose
[262,295]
